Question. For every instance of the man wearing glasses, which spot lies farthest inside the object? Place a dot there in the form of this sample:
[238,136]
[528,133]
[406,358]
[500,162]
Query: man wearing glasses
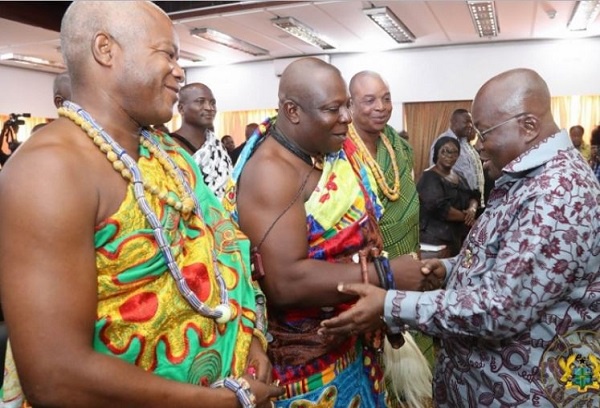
[519,317]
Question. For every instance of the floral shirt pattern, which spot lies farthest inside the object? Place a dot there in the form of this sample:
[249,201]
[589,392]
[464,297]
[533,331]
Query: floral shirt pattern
[526,283]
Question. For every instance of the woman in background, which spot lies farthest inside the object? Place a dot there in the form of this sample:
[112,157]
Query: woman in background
[448,206]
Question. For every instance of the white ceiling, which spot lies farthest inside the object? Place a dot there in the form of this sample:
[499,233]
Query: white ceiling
[434,23]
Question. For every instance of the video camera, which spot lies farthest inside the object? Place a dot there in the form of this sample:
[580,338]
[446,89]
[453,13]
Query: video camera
[14,120]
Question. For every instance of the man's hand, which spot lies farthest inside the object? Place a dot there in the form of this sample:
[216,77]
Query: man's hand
[411,274]
[264,393]
[259,367]
[364,316]
[259,373]
[434,272]
[470,216]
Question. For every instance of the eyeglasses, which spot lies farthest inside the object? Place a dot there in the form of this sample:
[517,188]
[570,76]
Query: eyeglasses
[481,134]
[448,153]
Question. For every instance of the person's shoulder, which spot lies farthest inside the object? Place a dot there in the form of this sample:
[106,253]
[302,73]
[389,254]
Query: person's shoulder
[56,163]
[428,176]
[397,141]
[269,172]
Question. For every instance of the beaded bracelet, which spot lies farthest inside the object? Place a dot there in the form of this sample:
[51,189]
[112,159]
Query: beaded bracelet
[241,389]
[387,269]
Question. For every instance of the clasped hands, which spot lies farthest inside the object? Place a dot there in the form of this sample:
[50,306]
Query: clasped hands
[415,275]
[366,314]
[259,374]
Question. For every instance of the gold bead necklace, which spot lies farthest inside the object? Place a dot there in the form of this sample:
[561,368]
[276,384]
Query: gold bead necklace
[127,167]
[392,193]
[185,205]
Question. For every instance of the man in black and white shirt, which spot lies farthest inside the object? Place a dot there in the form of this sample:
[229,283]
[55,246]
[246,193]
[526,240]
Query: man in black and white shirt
[198,108]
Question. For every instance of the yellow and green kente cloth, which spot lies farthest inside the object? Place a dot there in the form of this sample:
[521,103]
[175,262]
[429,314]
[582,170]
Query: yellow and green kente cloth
[142,317]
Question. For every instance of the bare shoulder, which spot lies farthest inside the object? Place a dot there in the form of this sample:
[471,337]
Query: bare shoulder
[269,178]
[52,173]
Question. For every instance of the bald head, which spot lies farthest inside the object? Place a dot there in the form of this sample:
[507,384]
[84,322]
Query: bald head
[62,88]
[517,90]
[360,79]
[125,21]
[313,106]
[513,111]
[302,78]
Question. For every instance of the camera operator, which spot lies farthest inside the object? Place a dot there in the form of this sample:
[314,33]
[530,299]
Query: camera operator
[8,138]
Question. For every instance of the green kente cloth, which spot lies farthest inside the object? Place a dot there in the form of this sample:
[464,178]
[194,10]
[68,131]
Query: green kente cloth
[400,222]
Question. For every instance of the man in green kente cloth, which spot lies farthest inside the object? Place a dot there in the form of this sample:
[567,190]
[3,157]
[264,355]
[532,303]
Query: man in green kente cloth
[389,158]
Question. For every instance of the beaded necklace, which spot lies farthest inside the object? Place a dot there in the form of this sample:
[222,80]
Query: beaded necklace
[316,162]
[392,193]
[128,168]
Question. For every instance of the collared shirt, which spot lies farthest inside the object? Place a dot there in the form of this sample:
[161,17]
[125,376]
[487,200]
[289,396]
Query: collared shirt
[523,291]
[468,163]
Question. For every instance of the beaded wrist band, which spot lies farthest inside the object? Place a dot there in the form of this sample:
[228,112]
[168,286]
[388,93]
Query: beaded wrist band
[241,389]
[387,270]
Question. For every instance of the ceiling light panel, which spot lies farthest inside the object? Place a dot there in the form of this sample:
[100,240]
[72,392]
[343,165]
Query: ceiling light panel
[226,40]
[303,32]
[485,20]
[32,62]
[391,24]
[584,13]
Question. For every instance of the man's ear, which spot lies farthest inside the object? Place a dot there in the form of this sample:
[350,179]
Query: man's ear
[531,124]
[290,110]
[102,48]
[58,101]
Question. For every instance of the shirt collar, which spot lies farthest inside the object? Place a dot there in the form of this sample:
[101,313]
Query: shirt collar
[539,154]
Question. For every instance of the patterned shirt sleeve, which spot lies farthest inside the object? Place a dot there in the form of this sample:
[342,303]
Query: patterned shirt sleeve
[537,261]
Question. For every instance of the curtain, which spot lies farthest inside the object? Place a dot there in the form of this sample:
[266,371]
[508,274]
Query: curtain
[425,121]
[577,110]
[234,123]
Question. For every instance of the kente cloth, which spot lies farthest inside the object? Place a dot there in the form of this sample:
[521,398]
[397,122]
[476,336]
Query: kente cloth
[520,315]
[142,317]
[400,222]
[342,215]
[342,384]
